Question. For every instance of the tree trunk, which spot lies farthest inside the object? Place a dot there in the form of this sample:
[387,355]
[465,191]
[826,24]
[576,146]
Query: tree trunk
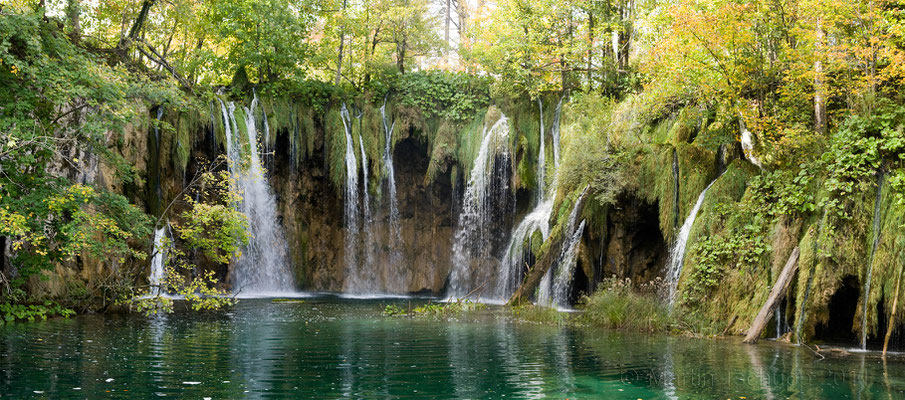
[43,8]
[400,55]
[139,21]
[73,12]
[446,27]
[776,294]
[370,56]
[537,272]
[463,18]
[339,58]
[625,34]
[819,87]
[590,48]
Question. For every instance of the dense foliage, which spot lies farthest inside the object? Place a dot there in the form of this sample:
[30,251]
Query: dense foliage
[659,98]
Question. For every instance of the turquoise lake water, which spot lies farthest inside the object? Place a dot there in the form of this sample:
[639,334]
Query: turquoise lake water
[334,347]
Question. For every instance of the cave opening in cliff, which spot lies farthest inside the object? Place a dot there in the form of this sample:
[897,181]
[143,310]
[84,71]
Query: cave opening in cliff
[581,284]
[838,327]
[635,248]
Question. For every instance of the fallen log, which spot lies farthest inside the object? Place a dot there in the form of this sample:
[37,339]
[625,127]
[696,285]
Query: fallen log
[526,289]
[776,295]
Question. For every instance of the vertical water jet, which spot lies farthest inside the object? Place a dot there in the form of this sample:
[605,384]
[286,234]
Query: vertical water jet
[352,213]
[677,254]
[475,215]
[390,173]
[747,139]
[158,261]
[263,266]
[562,284]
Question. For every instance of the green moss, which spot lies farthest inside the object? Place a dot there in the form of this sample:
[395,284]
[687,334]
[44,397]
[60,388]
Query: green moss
[886,261]
[335,141]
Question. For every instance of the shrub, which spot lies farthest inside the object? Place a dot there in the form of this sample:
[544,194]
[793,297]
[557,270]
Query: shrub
[618,305]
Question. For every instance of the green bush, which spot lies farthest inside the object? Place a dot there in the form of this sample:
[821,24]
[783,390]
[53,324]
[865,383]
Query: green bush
[618,305]
[444,310]
[539,314]
[31,312]
[455,97]
[392,310]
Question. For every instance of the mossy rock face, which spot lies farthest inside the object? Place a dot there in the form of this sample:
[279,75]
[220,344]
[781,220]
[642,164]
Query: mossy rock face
[535,241]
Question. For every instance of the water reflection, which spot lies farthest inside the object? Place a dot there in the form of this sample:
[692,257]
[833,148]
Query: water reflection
[524,376]
[339,348]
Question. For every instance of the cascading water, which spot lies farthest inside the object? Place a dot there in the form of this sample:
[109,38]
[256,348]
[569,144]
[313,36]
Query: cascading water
[475,215]
[545,289]
[557,281]
[562,284]
[779,328]
[541,157]
[677,254]
[510,270]
[390,174]
[156,278]
[263,266]
[352,214]
[366,197]
[554,132]
[748,143]
[365,282]
[870,259]
[267,146]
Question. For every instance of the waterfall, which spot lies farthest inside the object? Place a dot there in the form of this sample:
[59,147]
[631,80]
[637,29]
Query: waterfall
[365,281]
[545,289]
[870,259]
[366,202]
[562,283]
[475,215]
[677,254]
[267,146]
[541,157]
[158,261]
[778,314]
[748,143]
[263,266]
[352,213]
[554,132]
[720,158]
[390,174]
[511,268]
[555,286]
